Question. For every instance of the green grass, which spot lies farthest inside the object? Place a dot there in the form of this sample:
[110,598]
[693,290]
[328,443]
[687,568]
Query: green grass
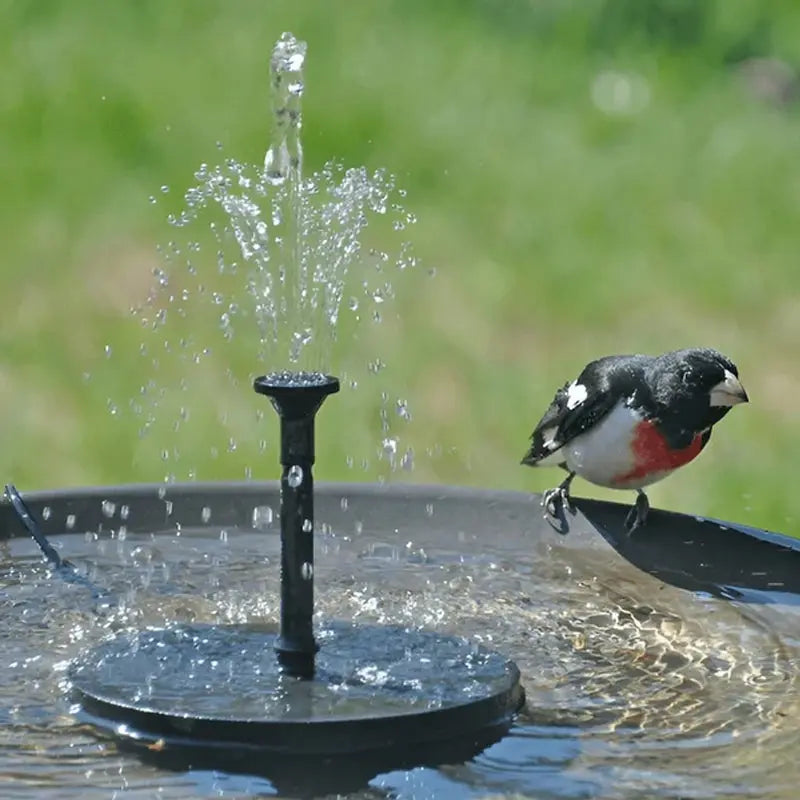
[557,232]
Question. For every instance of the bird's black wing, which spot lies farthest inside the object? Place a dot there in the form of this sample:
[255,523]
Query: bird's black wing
[607,381]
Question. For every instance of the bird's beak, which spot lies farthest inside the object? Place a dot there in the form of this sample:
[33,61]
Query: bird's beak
[728,392]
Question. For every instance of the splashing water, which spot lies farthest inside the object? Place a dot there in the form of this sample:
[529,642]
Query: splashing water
[298,236]
[265,259]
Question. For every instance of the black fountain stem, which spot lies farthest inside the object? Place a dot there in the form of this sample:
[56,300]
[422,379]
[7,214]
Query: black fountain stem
[297,398]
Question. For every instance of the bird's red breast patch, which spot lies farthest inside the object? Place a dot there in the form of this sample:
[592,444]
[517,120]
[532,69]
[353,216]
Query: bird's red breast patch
[652,453]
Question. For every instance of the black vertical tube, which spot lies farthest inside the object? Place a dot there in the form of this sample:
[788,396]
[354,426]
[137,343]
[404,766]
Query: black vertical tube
[297,399]
[296,646]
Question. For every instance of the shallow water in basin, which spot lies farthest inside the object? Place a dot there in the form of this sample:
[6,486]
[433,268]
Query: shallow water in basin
[634,688]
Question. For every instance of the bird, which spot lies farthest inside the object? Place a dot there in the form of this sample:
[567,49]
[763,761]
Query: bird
[628,421]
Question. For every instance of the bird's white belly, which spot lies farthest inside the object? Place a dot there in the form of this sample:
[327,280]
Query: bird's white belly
[604,453]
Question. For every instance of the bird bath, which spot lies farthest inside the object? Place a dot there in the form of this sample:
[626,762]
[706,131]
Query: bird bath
[658,665]
[643,677]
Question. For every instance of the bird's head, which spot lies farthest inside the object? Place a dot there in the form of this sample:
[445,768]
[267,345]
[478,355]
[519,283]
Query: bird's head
[700,378]
[717,376]
[709,377]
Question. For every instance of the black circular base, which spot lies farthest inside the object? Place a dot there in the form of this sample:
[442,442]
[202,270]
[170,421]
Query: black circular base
[379,692]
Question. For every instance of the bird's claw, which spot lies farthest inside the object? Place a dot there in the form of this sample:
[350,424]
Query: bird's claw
[637,516]
[556,500]
[555,503]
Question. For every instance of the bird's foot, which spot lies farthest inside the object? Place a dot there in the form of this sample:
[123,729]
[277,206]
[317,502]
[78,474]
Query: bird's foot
[556,500]
[637,516]
[555,503]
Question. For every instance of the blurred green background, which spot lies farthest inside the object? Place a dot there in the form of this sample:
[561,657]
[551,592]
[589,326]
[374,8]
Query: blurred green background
[589,177]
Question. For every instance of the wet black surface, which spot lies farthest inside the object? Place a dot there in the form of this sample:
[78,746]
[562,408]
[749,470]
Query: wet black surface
[724,559]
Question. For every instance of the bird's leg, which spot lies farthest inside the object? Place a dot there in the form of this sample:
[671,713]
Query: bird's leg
[554,500]
[637,516]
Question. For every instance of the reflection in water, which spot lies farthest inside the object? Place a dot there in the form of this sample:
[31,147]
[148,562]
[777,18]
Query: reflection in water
[635,687]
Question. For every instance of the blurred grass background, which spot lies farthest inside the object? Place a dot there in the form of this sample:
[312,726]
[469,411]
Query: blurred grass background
[589,177]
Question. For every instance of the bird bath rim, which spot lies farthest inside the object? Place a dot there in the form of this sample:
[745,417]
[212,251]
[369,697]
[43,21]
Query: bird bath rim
[691,552]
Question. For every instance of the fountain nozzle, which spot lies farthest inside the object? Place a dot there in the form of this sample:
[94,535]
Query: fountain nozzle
[297,396]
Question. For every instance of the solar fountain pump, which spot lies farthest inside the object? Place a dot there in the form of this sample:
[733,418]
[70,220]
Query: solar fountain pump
[373,698]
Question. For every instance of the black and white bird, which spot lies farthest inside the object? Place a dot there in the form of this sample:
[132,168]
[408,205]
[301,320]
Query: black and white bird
[629,421]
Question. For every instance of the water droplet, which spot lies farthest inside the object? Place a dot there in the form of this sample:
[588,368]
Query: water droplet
[344,503]
[46,512]
[164,188]
[307,571]
[223,535]
[70,522]
[107,350]
[108,507]
[294,477]
[359,526]
[308,526]
[429,509]
[262,516]
[205,514]
[124,512]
